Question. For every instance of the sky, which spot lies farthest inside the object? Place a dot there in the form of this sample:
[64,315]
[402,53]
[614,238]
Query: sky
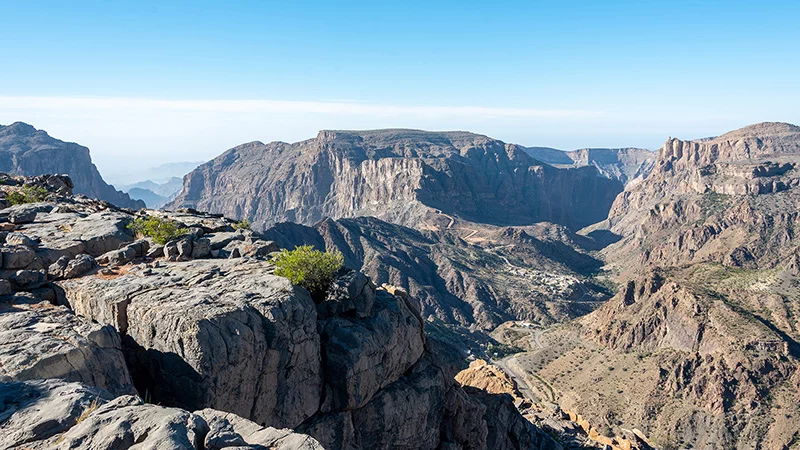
[145,83]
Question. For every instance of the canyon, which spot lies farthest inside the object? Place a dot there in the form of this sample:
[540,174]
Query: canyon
[493,296]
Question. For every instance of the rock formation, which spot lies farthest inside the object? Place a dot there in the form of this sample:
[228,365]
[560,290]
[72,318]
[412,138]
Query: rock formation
[537,273]
[24,150]
[401,176]
[628,165]
[700,344]
[201,324]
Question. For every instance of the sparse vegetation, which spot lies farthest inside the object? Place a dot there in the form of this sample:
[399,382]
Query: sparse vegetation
[27,194]
[159,229]
[243,224]
[309,268]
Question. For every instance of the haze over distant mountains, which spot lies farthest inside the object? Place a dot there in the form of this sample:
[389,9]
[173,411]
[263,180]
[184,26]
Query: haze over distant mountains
[24,150]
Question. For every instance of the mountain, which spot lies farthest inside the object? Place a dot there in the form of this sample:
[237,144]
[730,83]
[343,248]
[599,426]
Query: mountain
[700,348]
[159,174]
[155,195]
[731,200]
[472,275]
[408,177]
[169,188]
[150,198]
[205,348]
[628,165]
[24,150]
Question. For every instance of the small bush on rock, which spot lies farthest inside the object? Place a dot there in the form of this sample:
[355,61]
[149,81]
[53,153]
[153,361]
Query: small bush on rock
[243,224]
[28,194]
[309,268]
[159,229]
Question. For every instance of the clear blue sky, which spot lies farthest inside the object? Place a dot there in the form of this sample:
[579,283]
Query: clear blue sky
[565,74]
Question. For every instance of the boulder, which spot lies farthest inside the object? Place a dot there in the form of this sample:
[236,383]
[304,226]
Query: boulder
[40,410]
[362,356]
[201,248]
[127,421]
[66,268]
[45,341]
[221,239]
[5,287]
[125,254]
[17,257]
[214,333]
[28,279]
[352,292]
[229,430]
[16,238]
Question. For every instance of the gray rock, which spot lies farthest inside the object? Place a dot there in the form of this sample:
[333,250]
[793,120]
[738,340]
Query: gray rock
[127,421]
[16,238]
[56,269]
[102,232]
[229,430]
[362,356]
[351,292]
[46,341]
[156,251]
[28,279]
[18,257]
[37,410]
[215,333]
[185,248]
[79,266]
[201,248]
[5,287]
[22,214]
[220,240]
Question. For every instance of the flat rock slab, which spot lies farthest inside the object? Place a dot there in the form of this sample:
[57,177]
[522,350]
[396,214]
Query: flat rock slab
[40,340]
[38,410]
[224,334]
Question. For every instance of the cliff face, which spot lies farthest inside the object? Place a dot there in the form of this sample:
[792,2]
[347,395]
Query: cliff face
[700,344]
[628,165]
[25,150]
[202,324]
[402,176]
[730,200]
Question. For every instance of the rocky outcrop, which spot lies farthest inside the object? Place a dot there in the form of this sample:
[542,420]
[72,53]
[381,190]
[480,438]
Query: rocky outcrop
[53,414]
[402,176]
[27,151]
[45,341]
[86,301]
[214,333]
[628,165]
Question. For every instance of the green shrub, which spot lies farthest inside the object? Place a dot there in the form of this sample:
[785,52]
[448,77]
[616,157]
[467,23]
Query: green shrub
[243,224]
[309,268]
[28,194]
[159,229]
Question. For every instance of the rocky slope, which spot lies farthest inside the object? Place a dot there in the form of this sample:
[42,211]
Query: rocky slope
[25,150]
[201,324]
[731,200]
[401,176]
[628,165]
[699,349]
[494,275]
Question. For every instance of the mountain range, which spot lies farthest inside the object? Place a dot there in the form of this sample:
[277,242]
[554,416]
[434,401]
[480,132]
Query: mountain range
[624,298]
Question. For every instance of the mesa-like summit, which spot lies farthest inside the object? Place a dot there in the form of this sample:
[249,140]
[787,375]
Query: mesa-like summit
[492,296]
